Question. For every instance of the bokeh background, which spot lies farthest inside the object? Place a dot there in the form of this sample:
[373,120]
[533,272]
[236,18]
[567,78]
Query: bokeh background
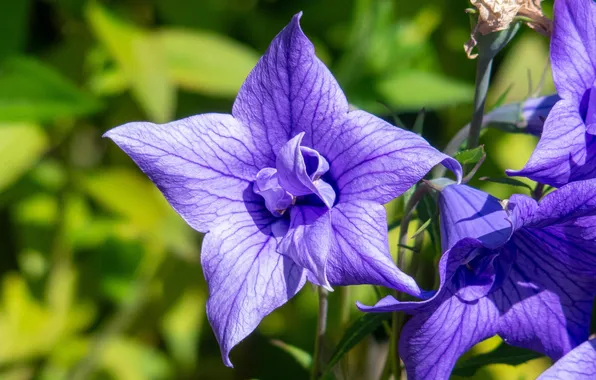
[99,278]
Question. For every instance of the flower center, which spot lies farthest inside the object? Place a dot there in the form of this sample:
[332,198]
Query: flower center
[296,177]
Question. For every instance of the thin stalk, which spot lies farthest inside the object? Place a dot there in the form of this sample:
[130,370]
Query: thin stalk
[344,306]
[483,70]
[398,318]
[538,191]
[320,334]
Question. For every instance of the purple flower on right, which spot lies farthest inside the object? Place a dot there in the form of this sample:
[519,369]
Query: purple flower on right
[578,364]
[523,270]
[567,148]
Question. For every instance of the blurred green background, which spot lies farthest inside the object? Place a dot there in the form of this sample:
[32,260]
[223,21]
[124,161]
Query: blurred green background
[99,278]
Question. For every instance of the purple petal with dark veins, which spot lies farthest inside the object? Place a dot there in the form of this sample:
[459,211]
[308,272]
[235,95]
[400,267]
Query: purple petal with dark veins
[565,152]
[294,175]
[308,241]
[204,165]
[246,276]
[578,364]
[360,253]
[545,307]
[373,160]
[288,92]
[573,48]
[470,213]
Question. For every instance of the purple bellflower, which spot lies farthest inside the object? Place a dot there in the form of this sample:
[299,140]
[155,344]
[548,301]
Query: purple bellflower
[578,364]
[526,273]
[566,151]
[289,187]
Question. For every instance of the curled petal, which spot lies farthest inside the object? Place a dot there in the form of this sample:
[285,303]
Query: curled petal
[204,165]
[470,213]
[573,47]
[373,160]
[308,241]
[246,276]
[277,200]
[289,91]
[578,364]
[295,176]
[360,253]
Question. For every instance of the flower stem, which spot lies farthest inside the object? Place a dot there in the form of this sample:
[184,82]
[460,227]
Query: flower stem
[344,306]
[483,70]
[320,336]
[397,319]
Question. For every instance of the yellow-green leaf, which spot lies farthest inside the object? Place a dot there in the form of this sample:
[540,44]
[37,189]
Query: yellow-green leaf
[140,58]
[21,145]
[413,90]
[206,62]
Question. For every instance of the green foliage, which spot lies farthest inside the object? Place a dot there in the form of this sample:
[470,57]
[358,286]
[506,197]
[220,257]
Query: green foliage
[32,91]
[302,357]
[21,145]
[503,354]
[470,156]
[359,330]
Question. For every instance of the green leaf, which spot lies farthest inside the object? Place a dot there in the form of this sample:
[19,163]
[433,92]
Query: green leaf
[419,122]
[507,181]
[128,194]
[416,89]
[21,145]
[206,62]
[421,229]
[427,209]
[470,156]
[182,327]
[141,59]
[32,91]
[359,330]
[302,357]
[504,354]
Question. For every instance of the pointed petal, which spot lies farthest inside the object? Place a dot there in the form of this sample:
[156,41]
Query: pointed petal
[293,172]
[470,213]
[449,264]
[247,278]
[289,91]
[308,241]
[578,364]
[565,153]
[360,254]
[545,306]
[565,220]
[373,160]
[573,47]
[204,165]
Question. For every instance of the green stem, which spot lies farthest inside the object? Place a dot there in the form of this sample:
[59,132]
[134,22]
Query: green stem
[344,306]
[483,70]
[320,335]
[397,318]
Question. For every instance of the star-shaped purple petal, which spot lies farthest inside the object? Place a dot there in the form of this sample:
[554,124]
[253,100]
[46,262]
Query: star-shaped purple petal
[526,273]
[287,188]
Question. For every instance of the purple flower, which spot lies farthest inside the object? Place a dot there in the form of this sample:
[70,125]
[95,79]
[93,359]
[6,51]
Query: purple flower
[567,148]
[527,273]
[528,116]
[288,187]
[578,364]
